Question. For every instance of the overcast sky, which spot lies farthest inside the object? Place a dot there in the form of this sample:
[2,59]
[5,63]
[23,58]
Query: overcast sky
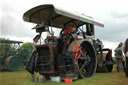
[113,13]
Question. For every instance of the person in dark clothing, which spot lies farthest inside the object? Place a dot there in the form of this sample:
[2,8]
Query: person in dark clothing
[119,57]
[126,56]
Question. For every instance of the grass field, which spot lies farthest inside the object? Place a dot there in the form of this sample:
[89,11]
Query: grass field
[24,78]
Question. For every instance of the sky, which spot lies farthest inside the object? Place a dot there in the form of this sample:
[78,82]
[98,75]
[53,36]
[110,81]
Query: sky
[113,13]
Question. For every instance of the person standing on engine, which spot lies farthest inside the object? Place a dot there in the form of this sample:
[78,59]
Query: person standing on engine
[125,49]
[119,57]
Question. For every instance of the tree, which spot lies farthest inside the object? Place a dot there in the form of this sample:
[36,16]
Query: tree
[27,45]
[25,52]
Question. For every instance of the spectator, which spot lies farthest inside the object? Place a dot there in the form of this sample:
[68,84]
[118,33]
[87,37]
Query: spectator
[119,57]
[126,56]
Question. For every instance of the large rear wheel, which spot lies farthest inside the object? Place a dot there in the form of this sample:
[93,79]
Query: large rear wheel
[87,62]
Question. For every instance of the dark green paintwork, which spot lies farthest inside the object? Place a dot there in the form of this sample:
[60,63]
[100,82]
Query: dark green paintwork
[13,63]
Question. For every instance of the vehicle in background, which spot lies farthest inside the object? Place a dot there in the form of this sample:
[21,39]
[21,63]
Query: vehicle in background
[12,58]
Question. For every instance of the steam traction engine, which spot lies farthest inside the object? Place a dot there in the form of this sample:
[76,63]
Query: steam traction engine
[74,53]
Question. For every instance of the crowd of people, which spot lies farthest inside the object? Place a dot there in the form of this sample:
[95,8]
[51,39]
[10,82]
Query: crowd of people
[121,56]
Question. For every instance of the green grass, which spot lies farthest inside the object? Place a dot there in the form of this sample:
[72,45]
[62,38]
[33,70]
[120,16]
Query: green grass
[13,78]
[24,78]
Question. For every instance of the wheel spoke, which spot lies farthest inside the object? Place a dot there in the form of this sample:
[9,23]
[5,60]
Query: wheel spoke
[83,66]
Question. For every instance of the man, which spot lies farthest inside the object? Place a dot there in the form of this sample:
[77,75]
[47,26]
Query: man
[126,56]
